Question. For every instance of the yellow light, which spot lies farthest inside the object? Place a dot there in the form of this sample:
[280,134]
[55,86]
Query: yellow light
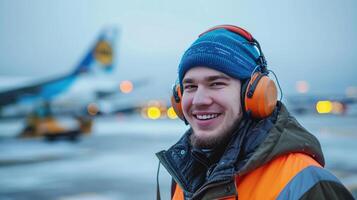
[126,86]
[153,112]
[323,107]
[171,113]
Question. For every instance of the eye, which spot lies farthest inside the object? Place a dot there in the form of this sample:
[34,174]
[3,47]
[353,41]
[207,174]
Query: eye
[218,84]
[189,87]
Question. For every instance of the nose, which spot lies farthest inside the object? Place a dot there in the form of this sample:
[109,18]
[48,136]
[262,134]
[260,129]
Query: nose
[201,97]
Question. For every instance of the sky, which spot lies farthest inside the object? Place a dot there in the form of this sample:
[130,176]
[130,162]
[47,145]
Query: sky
[312,40]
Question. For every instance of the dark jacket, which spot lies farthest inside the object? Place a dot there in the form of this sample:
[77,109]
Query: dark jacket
[254,144]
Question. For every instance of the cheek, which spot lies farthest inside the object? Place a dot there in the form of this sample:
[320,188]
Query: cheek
[231,103]
[236,106]
[186,103]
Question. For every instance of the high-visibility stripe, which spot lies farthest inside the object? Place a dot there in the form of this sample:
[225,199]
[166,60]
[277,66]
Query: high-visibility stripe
[269,180]
[304,181]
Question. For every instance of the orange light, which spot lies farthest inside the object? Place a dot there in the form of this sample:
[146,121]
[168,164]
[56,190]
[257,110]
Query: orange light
[337,107]
[126,86]
[92,109]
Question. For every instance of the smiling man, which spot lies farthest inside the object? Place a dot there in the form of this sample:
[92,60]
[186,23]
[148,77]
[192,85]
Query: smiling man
[210,105]
[242,142]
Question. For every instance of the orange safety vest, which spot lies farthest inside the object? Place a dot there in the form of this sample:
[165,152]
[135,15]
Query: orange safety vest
[267,181]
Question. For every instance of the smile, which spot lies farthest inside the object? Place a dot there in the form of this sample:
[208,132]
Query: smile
[206,117]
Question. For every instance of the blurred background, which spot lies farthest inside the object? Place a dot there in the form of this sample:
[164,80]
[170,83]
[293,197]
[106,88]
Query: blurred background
[85,87]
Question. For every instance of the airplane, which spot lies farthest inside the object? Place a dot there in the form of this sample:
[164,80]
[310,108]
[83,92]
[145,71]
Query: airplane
[38,96]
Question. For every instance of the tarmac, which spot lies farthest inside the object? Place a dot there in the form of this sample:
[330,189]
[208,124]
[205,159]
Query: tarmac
[117,161]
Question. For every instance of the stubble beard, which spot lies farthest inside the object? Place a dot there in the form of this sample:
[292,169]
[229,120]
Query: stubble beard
[217,140]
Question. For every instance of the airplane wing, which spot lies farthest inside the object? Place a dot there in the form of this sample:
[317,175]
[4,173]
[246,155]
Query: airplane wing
[44,90]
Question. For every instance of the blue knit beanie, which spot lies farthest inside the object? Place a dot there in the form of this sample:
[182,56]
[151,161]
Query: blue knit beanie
[223,51]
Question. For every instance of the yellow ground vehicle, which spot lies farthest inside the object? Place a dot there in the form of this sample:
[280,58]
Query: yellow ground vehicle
[52,128]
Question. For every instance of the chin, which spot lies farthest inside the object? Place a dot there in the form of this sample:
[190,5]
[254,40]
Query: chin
[207,139]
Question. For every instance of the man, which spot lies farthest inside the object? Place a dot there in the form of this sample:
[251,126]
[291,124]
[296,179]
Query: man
[236,147]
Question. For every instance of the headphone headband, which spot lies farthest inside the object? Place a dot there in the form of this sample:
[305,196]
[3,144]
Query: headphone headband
[234,29]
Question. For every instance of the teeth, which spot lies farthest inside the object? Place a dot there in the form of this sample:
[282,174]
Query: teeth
[205,117]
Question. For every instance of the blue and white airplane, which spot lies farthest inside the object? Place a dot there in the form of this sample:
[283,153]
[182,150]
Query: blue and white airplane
[100,58]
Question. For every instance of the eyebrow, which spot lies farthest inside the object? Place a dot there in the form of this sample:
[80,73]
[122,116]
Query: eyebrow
[187,80]
[216,77]
[208,78]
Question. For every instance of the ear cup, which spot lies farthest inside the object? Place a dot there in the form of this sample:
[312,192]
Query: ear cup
[176,101]
[260,96]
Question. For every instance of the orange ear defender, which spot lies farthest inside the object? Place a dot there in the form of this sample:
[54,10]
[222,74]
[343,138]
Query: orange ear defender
[259,97]
[176,101]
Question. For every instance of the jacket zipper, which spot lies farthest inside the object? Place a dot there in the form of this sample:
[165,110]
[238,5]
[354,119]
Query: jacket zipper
[200,190]
[169,168]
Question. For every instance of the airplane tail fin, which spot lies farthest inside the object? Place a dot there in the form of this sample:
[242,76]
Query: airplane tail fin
[101,55]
